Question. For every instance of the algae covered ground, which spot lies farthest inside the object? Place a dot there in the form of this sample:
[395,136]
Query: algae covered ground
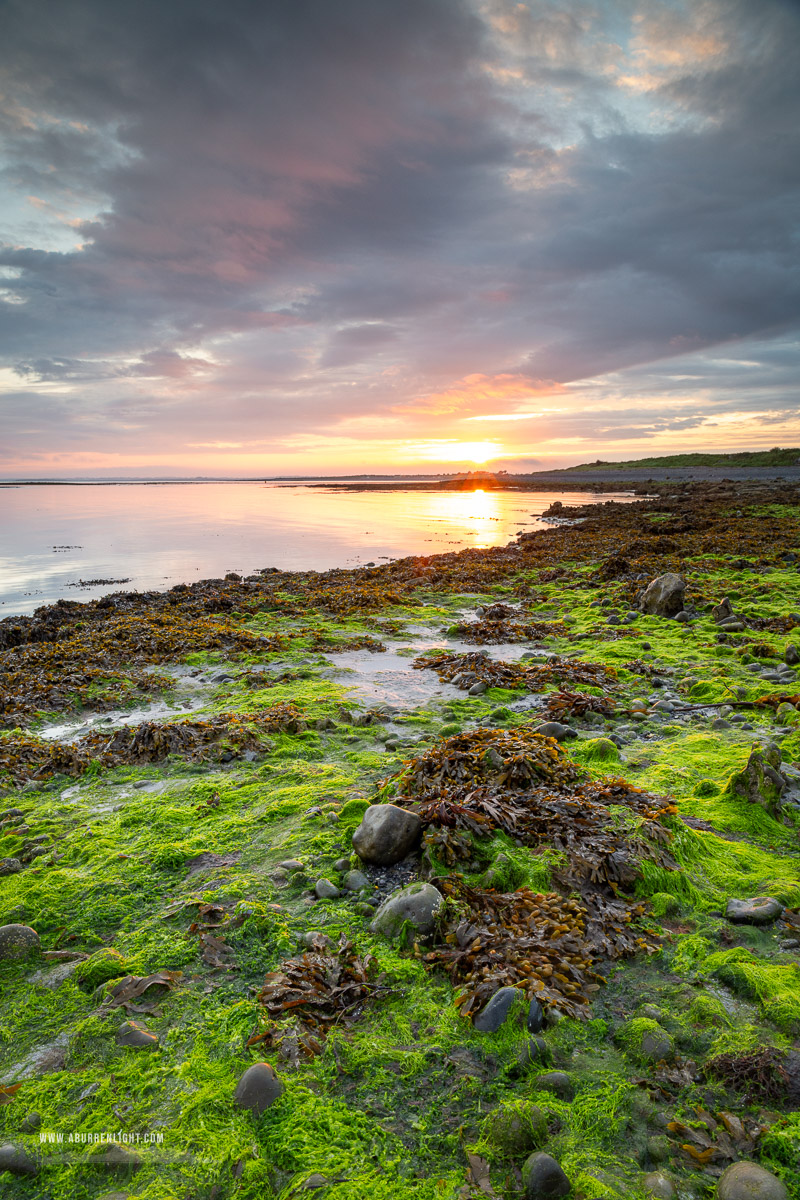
[182,775]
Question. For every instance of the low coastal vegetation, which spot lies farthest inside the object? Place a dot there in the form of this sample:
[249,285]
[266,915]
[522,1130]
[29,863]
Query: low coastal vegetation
[462,876]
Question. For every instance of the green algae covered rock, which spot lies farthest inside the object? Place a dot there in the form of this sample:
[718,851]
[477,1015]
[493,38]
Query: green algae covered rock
[760,781]
[708,1010]
[515,1129]
[748,1181]
[646,1040]
[664,903]
[99,967]
[18,941]
[599,750]
[408,913]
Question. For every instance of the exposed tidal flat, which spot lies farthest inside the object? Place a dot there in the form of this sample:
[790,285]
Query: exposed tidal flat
[462,875]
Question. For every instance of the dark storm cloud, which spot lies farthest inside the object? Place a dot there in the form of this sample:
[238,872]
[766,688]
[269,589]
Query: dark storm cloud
[354,204]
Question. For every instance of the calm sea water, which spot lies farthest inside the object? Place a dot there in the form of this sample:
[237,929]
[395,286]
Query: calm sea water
[56,541]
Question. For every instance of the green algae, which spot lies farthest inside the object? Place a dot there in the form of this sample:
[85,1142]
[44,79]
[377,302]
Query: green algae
[387,1110]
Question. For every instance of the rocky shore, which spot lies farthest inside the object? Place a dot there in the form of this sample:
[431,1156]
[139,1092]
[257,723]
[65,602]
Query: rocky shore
[463,876]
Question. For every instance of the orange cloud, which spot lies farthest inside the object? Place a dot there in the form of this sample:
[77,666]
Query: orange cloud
[475,394]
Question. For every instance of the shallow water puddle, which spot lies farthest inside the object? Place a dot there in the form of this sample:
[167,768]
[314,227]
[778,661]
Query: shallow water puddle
[391,677]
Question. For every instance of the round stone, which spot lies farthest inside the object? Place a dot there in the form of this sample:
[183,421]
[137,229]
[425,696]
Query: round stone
[659,1186]
[386,834]
[409,912]
[10,866]
[748,1181]
[543,1178]
[258,1088]
[325,890]
[18,941]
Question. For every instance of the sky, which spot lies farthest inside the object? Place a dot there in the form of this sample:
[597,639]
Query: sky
[304,237]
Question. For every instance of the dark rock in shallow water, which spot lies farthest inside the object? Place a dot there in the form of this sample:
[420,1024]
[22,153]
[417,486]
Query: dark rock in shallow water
[557,1082]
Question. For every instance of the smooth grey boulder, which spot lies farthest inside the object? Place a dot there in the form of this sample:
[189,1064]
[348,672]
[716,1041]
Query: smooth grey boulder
[18,941]
[748,1181]
[496,1011]
[17,1160]
[554,729]
[791,655]
[386,834]
[663,597]
[410,912]
[354,881]
[136,1037]
[325,890]
[760,910]
[258,1088]
[543,1178]
[659,1186]
[535,1018]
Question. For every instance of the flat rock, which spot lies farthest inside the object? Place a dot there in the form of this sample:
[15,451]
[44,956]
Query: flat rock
[760,910]
[543,1178]
[17,1160]
[663,597]
[136,1037]
[410,912]
[497,1010]
[386,834]
[748,1181]
[18,941]
[258,1088]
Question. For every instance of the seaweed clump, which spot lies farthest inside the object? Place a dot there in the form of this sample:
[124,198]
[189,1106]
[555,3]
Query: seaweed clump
[515,758]
[23,757]
[465,670]
[543,944]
